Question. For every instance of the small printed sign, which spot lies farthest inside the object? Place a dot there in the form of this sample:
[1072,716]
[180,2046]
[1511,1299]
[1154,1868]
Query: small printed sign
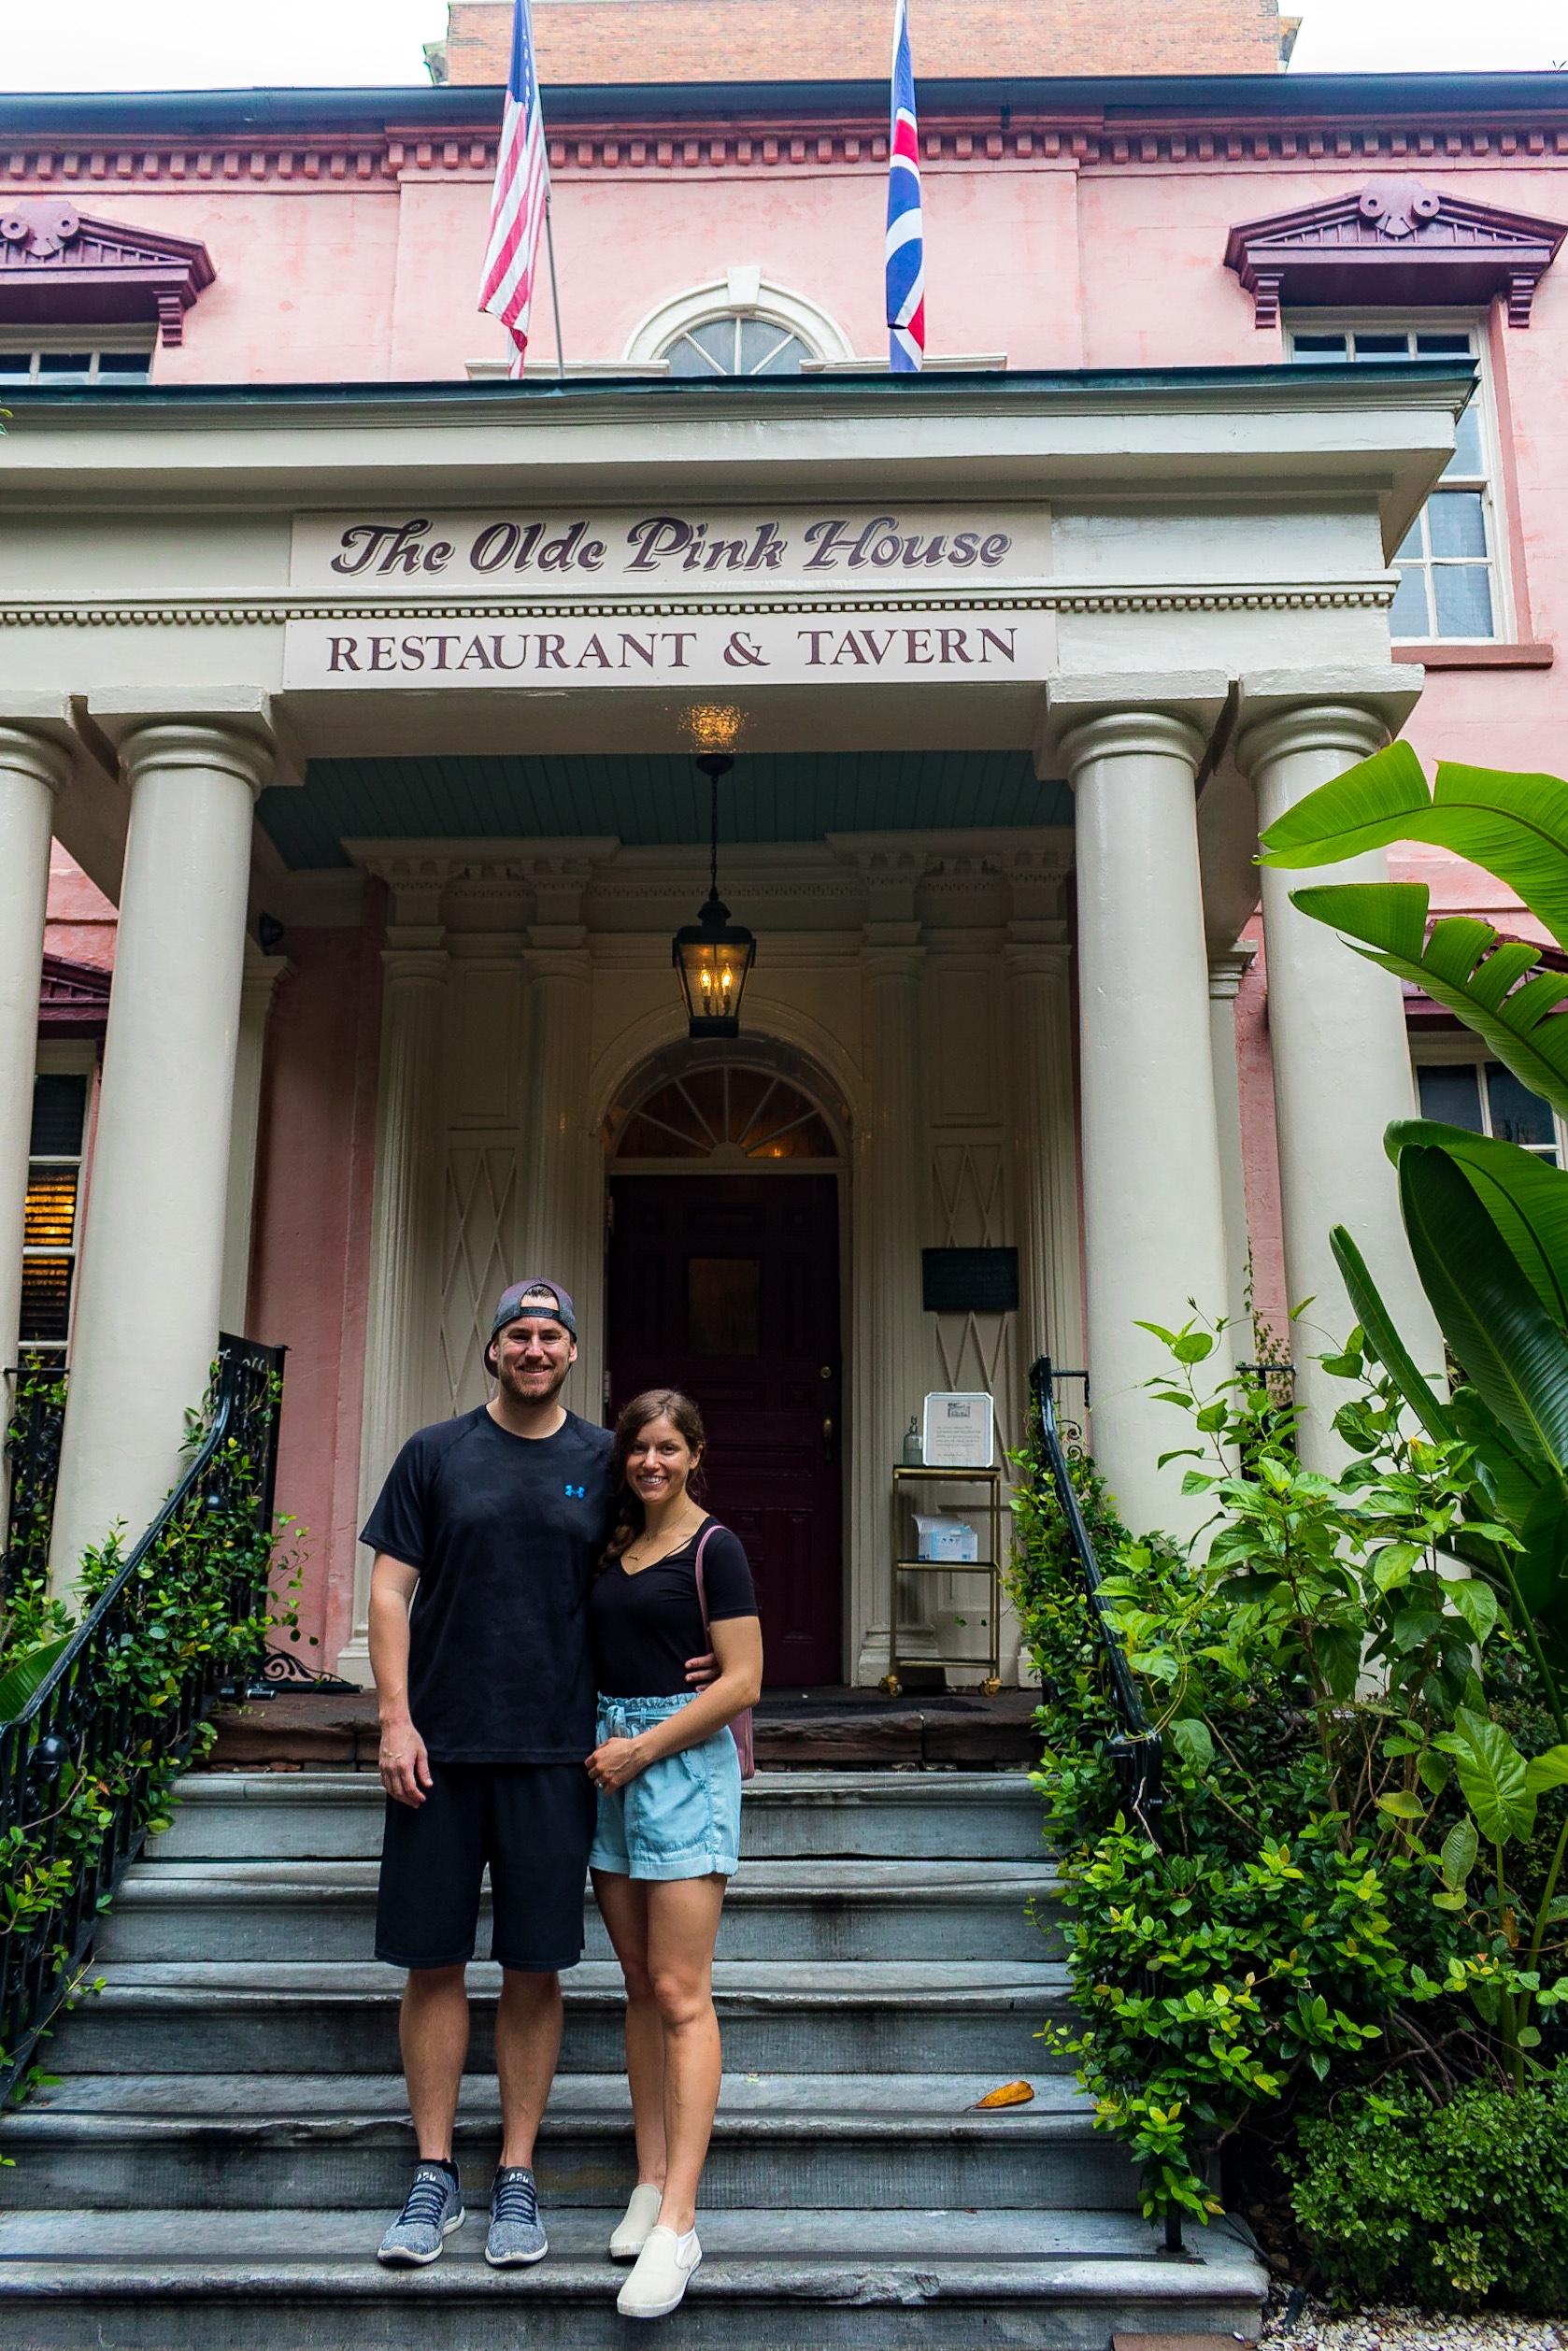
[960,1431]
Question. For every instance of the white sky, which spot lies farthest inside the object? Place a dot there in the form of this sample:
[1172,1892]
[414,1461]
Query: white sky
[218,44]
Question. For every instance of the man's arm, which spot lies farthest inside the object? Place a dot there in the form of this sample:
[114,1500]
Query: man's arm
[405,1765]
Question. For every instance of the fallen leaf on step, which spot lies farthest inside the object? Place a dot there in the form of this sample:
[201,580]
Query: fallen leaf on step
[1010,2094]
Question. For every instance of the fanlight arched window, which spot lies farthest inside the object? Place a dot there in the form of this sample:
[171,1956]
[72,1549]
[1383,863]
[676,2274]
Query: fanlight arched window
[731,1113]
[737,346]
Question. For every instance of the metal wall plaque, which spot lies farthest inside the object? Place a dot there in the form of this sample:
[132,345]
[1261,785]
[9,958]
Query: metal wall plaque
[970,1281]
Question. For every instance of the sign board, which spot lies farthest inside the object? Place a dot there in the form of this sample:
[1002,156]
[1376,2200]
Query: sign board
[670,599]
[674,649]
[969,1281]
[960,1432]
[652,549]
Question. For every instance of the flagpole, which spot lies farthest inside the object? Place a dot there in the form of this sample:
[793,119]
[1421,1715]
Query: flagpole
[554,294]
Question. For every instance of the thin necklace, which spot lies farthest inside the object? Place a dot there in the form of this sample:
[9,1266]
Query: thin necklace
[660,1555]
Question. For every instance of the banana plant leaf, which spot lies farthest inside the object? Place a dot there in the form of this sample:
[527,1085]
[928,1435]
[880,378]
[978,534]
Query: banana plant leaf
[1525,1196]
[1522,1483]
[1488,1308]
[1515,826]
[23,1675]
[1462,967]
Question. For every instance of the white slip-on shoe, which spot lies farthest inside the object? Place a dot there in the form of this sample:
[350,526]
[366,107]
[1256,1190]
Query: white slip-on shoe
[665,2265]
[631,2233]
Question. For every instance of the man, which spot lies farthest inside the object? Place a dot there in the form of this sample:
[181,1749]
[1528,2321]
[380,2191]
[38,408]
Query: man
[485,1536]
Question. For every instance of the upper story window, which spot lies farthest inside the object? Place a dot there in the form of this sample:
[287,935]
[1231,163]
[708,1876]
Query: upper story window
[736,345]
[740,324]
[61,364]
[53,1217]
[1449,580]
[1487,1098]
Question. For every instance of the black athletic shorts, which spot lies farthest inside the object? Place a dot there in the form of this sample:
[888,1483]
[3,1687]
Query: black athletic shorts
[532,1822]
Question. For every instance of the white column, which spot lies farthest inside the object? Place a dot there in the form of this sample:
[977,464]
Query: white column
[153,1254]
[562,1182]
[888,1224]
[1225,976]
[404,1289]
[262,975]
[32,769]
[1046,1156]
[1341,1073]
[1154,1223]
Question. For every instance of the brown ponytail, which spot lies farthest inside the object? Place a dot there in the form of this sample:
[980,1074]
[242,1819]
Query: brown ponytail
[654,1404]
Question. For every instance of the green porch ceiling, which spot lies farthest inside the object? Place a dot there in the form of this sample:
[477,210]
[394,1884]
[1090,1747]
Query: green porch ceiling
[657,799]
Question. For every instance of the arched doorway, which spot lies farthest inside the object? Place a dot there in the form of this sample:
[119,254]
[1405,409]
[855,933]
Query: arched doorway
[722,1278]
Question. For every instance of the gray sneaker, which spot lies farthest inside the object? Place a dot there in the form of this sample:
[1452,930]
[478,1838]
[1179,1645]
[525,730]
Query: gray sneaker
[515,2235]
[430,2210]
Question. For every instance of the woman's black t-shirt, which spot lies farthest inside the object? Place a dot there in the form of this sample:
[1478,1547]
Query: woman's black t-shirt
[643,1627]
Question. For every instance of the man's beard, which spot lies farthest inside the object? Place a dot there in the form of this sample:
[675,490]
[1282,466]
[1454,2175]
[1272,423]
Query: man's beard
[533,1394]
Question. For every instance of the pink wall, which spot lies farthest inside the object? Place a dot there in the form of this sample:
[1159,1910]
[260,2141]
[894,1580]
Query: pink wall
[82,921]
[360,262]
[311,1250]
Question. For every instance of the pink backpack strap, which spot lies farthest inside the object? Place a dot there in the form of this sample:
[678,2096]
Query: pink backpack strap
[740,1729]
[711,1528]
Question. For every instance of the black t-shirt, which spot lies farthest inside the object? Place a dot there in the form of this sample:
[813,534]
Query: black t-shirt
[645,1625]
[504,1531]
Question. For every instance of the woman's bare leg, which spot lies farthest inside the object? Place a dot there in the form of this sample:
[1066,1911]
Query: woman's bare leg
[682,1930]
[623,1908]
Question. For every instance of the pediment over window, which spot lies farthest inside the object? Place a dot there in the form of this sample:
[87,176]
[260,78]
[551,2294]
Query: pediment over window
[60,267]
[1394,244]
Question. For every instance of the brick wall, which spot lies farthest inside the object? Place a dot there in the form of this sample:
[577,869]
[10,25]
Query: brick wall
[820,40]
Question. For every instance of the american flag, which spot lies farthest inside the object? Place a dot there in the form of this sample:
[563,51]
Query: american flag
[906,230]
[521,194]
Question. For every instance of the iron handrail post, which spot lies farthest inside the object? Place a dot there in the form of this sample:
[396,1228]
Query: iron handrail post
[1137,1750]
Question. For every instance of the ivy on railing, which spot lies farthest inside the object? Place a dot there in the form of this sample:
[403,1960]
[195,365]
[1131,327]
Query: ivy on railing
[33,1459]
[1134,1746]
[172,1627]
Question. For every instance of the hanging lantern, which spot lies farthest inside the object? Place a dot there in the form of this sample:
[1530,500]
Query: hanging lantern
[713,955]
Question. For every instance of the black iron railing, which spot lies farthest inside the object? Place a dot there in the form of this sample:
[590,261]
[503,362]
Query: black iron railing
[33,1461]
[95,1723]
[1136,1748]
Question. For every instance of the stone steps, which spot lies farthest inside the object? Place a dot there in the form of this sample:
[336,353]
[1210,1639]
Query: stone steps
[199,2142]
[844,2016]
[776,2280]
[896,1816]
[804,1909]
[229,2129]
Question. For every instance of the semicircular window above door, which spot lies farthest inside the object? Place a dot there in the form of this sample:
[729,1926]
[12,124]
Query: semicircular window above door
[729,1112]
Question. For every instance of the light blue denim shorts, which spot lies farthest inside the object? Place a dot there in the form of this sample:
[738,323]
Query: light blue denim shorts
[681,1817]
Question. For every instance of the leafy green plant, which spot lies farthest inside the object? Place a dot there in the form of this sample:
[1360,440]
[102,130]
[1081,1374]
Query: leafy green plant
[1402,2199]
[1298,1935]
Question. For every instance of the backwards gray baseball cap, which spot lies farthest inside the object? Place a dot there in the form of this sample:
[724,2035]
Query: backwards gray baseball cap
[530,1299]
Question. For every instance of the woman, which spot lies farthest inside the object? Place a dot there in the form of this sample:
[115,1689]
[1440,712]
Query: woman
[668,1838]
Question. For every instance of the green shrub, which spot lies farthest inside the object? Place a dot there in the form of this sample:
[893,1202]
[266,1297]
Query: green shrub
[1404,2201]
[1362,1867]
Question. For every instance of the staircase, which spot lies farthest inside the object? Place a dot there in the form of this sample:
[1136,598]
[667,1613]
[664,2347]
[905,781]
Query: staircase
[230,2135]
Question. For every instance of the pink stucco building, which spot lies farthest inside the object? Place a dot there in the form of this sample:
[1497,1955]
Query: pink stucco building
[1259,380]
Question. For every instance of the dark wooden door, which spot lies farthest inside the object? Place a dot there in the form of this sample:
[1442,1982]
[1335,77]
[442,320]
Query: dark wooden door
[727,1286]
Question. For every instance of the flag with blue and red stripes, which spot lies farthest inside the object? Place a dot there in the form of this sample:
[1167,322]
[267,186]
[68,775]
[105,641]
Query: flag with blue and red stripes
[905,229]
[522,192]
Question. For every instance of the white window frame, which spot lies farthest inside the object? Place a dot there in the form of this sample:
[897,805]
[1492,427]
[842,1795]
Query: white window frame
[100,343]
[742,293]
[1458,1048]
[1413,323]
[76,1057]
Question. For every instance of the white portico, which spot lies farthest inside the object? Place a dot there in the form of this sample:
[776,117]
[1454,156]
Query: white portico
[1013,668]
